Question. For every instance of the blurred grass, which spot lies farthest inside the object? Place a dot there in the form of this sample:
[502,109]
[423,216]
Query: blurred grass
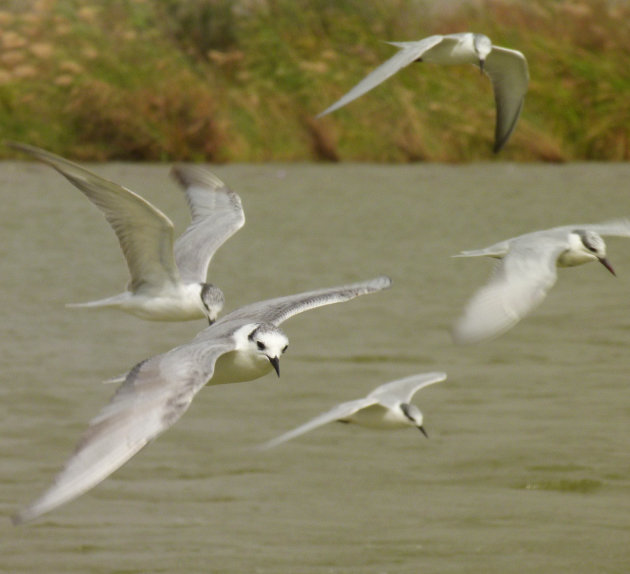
[221,80]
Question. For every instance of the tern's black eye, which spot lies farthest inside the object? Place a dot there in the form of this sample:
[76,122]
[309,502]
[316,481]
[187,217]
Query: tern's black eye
[260,345]
[285,348]
[590,242]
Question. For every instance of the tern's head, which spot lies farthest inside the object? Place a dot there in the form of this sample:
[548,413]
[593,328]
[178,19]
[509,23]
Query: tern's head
[414,416]
[482,46]
[593,246]
[270,342]
[212,299]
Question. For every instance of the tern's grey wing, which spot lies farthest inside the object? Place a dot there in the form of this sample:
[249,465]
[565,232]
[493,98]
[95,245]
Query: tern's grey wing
[278,310]
[217,214]
[496,250]
[145,234]
[409,52]
[402,390]
[618,227]
[340,411]
[155,394]
[510,77]
[519,283]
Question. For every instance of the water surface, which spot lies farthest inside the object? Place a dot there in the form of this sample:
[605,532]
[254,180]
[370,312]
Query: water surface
[527,466]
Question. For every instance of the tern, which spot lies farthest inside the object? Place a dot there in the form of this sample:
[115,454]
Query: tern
[241,346]
[526,270]
[386,407]
[506,68]
[168,279]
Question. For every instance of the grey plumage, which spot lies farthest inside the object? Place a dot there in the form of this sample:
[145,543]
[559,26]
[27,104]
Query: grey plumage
[167,277]
[240,346]
[506,68]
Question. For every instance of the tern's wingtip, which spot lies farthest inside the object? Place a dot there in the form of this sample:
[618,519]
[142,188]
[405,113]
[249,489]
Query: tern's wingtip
[28,514]
[22,147]
[461,339]
[189,175]
[267,445]
[20,518]
[500,144]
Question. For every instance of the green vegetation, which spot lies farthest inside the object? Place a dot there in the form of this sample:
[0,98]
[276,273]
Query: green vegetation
[221,80]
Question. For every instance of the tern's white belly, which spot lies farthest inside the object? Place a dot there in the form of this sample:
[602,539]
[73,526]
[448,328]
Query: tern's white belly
[378,417]
[180,304]
[165,309]
[571,258]
[239,366]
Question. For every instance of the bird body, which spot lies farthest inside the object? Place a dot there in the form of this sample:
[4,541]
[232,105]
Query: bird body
[245,363]
[243,345]
[167,278]
[387,408]
[447,50]
[506,68]
[376,416]
[526,270]
[175,302]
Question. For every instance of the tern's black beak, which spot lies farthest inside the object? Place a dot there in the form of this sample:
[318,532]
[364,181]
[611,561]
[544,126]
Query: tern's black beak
[275,363]
[421,429]
[481,63]
[607,264]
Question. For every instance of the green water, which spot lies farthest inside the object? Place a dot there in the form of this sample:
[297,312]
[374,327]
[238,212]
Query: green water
[527,467]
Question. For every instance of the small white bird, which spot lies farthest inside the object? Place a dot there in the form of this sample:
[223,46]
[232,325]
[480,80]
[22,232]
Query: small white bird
[526,271]
[386,407]
[241,346]
[168,280]
[506,68]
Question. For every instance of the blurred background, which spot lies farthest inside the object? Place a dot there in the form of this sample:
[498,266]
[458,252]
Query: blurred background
[242,81]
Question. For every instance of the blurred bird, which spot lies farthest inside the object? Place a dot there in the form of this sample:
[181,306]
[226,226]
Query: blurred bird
[507,69]
[386,407]
[526,271]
